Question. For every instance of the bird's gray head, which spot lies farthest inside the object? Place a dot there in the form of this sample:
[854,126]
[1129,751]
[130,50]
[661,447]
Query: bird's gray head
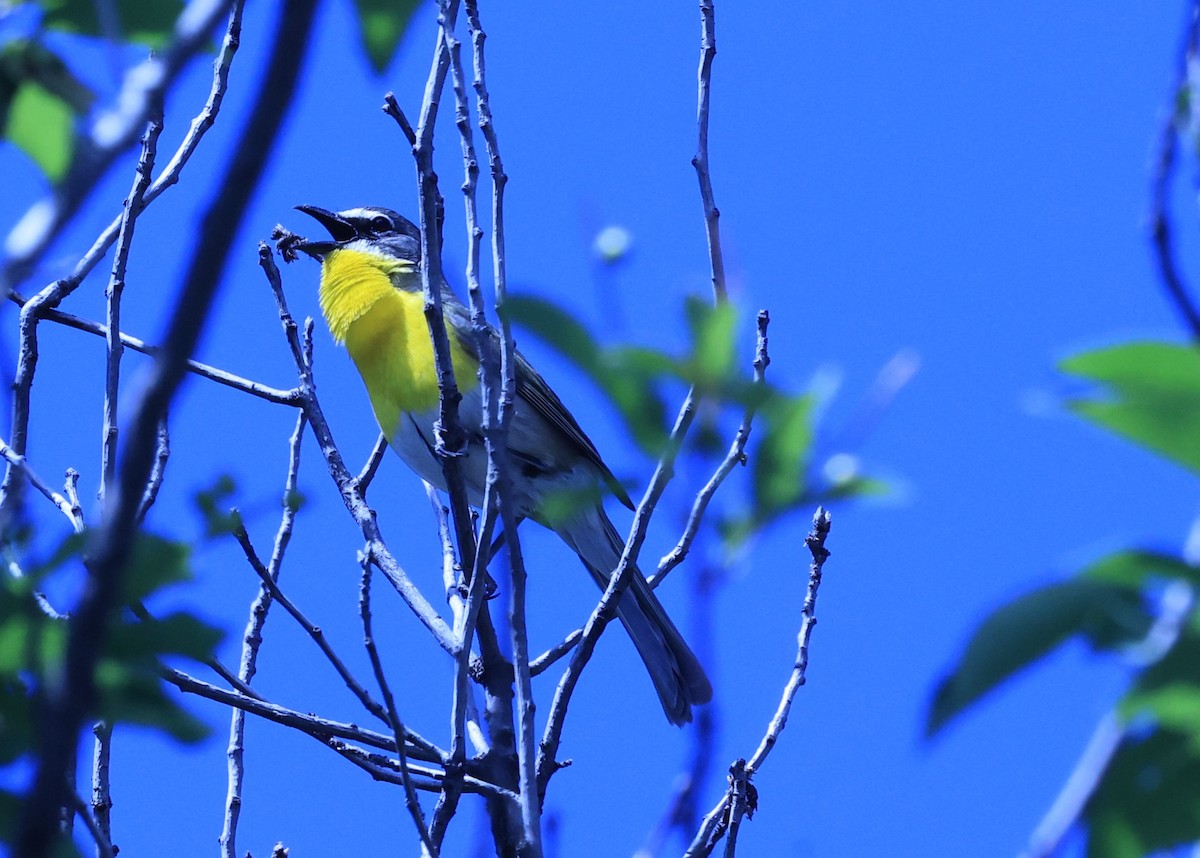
[369,228]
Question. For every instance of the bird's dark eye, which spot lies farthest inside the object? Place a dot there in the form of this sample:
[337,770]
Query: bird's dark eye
[380,223]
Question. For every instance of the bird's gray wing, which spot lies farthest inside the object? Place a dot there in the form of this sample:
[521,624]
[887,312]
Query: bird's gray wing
[532,388]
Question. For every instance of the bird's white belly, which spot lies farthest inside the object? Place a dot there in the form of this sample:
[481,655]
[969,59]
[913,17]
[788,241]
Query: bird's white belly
[414,441]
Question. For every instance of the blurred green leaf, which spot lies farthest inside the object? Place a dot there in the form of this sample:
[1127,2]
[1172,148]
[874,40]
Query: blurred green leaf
[29,61]
[781,461]
[42,125]
[382,24]
[556,327]
[1155,395]
[630,376]
[1019,633]
[1139,568]
[16,720]
[146,22]
[294,500]
[213,504]
[1148,798]
[175,634]
[136,695]
[1172,707]
[10,814]
[155,563]
[712,327]
[1180,665]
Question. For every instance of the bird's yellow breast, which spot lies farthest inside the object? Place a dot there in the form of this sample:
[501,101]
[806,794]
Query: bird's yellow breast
[385,331]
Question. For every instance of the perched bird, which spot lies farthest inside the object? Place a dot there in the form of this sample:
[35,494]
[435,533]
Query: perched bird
[372,301]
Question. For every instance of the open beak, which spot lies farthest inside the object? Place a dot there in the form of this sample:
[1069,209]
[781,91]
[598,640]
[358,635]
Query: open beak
[339,228]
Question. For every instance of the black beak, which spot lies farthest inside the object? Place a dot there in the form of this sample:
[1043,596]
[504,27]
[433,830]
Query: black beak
[339,228]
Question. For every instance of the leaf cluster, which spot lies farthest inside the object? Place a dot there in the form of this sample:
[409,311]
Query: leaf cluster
[638,381]
[33,646]
[1148,796]
[42,102]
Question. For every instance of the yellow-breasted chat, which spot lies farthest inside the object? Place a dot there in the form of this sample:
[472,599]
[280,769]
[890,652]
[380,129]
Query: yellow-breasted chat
[371,299]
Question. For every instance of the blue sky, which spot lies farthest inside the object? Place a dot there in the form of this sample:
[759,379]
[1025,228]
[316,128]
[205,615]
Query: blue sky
[960,182]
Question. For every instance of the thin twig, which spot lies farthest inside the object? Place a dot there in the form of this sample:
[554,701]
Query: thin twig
[21,464]
[252,637]
[101,785]
[547,659]
[1160,220]
[739,799]
[365,477]
[271,591]
[735,456]
[134,204]
[606,608]
[158,472]
[411,802]
[104,848]
[712,216]
[212,373]
[306,723]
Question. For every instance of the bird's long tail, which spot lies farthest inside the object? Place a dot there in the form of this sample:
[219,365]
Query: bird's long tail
[676,672]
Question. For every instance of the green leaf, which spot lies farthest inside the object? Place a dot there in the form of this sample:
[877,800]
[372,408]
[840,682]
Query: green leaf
[1174,706]
[213,504]
[175,634]
[10,814]
[155,563]
[29,61]
[781,462]
[136,695]
[629,375]
[712,327]
[382,24]
[1029,627]
[1139,568]
[17,730]
[42,125]
[1180,665]
[1148,798]
[146,22]
[1155,396]
[556,327]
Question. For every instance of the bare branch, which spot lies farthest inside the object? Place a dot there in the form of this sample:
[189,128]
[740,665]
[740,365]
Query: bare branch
[252,638]
[606,609]
[104,848]
[161,455]
[1160,221]
[363,481]
[739,799]
[134,204]
[392,108]
[101,788]
[393,716]
[271,592]
[712,232]
[547,659]
[212,373]
[305,723]
[20,464]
